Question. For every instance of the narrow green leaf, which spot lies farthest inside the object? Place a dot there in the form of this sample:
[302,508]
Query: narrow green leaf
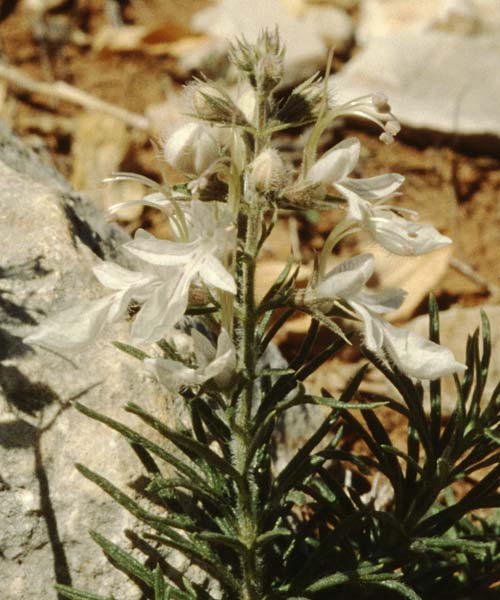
[275,327]
[159,523]
[399,588]
[272,535]
[200,556]
[73,594]
[328,582]
[329,324]
[188,445]
[219,539]
[129,564]
[135,352]
[159,584]
[291,473]
[134,438]
[279,282]
[397,452]
[306,346]
[332,403]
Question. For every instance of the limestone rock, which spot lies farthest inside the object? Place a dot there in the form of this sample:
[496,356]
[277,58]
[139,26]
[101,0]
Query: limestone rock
[432,81]
[382,18]
[50,240]
[307,31]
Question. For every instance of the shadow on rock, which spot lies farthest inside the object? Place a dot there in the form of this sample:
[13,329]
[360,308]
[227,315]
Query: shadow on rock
[26,396]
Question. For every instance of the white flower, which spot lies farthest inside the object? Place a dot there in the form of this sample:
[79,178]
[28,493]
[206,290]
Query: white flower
[210,240]
[391,231]
[212,363]
[417,356]
[346,282]
[191,149]
[414,355]
[76,327]
[335,165]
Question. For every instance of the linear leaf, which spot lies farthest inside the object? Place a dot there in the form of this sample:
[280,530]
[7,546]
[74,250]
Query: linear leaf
[129,564]
[135,352]
[188,445]
[135,438]
[72,594]
[158,523]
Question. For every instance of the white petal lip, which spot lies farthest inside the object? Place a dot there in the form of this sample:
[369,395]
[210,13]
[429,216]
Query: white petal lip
[406,238]
[417,356]
[74,328]
[337,163]
[162,252]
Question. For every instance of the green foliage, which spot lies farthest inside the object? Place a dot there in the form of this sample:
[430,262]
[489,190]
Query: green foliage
[314,535]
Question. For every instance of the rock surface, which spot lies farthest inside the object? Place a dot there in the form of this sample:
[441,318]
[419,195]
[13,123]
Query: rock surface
[382,18]
[50,240]
[432,81]
[308,31]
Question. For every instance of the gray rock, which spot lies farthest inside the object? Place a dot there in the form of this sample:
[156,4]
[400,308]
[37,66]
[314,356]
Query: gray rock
[307,33]
[50,240]
[433,83]
[382,18]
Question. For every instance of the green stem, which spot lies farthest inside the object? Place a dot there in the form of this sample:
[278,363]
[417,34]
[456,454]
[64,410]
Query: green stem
[248,355]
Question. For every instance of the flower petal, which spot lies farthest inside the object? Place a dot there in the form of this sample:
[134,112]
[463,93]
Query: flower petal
[213,273]
[384,301]
[372,188]
[419,357]
[347,279]
[161,252]
[161,312]
[406,238]
[115,277]
[372,327]
[170,373]
[337,163]
[74,328]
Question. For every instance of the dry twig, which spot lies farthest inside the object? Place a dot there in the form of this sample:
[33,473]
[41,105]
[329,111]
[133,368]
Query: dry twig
[69,93]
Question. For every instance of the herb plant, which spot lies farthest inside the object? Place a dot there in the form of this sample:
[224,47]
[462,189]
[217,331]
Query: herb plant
[212,492]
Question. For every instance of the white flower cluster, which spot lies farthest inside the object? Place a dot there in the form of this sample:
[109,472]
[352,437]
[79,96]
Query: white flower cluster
[226,178]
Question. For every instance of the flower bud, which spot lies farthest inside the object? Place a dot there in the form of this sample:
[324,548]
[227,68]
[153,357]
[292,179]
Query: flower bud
[267,171]
[261,61]
[304,103]
[303,195]
[212,104]
[269,72]
[191,149]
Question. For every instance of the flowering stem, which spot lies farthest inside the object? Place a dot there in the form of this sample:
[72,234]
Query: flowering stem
[245,328]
